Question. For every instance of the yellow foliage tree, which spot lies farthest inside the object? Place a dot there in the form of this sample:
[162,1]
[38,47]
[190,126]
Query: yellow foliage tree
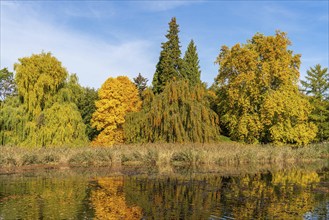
[117,97]
[47,100]
[38,79]
[258,92]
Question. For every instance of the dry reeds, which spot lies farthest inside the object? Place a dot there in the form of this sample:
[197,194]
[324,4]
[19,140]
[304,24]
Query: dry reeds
[230,154]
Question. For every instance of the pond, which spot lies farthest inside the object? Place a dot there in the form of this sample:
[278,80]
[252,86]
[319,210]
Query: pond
[181,193]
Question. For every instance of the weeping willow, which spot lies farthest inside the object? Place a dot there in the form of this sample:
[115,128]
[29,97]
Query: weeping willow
[60,125]
[12,121]
[44,113]
[179,114]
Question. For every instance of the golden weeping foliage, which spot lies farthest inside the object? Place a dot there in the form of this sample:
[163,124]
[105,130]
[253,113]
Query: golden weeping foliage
[109,201]
[117,97]
[258,92]
[12,122]
[38,79]
[44,111]
[179,114]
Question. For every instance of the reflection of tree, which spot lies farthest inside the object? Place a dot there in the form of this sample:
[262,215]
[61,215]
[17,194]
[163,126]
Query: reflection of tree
[278,195]
[292,194]
[109,200]
[172,198]
[41,198]
[287,196]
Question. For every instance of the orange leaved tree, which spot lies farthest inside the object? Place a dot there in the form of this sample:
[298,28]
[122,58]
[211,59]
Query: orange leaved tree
[117,97]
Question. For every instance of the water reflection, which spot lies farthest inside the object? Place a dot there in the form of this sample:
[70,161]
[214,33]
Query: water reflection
[109,202]
[283,194]
[278,195]
[33,197]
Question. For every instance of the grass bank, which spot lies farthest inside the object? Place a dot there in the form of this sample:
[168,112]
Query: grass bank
[220,154]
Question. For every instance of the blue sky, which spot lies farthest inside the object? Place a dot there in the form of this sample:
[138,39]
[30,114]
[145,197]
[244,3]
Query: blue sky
[101,39]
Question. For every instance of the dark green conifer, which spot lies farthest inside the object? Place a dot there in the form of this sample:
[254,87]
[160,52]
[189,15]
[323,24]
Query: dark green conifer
[141,83]
[191,64]
[170,64]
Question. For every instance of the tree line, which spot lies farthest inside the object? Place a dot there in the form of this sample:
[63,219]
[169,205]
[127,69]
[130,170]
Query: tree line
[255,98]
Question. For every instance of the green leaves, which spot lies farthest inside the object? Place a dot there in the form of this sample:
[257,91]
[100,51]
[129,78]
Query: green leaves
[317,82]
[191,66]
[316,87]
[141,83]
[170,64]
[7,84]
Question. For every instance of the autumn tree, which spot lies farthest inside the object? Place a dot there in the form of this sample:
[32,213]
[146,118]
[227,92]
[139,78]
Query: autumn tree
[48,103]
[258,92]
[191,64]
[179,114]
[141,83]
[117,97]
[38,79]
[13,119]
[59,125]
[84,98]
[170,64]
[316,87]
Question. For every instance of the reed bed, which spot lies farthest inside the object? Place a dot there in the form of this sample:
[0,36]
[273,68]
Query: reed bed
[229,153]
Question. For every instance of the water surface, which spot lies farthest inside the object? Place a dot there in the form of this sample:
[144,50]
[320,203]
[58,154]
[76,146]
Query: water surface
[291,193]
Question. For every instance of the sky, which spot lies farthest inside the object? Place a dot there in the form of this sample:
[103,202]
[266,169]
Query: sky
[102,39]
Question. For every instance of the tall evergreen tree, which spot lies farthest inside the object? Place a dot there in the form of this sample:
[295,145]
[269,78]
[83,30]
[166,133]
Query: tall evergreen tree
[170,64]
[191,64]
[317,87]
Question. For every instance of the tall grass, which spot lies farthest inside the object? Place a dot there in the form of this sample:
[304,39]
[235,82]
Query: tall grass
[231,154]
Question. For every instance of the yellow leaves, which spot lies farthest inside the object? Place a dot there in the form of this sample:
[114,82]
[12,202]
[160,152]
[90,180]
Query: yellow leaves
[286,112]
[59,125]
[299,177]
[109,201]
[117,97]
[38,78]
[52,119]
[258,82]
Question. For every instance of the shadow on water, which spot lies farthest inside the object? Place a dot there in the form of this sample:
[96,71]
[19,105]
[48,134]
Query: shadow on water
[173,192]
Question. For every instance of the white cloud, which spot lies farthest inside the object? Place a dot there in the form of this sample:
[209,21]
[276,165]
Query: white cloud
[93,60]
